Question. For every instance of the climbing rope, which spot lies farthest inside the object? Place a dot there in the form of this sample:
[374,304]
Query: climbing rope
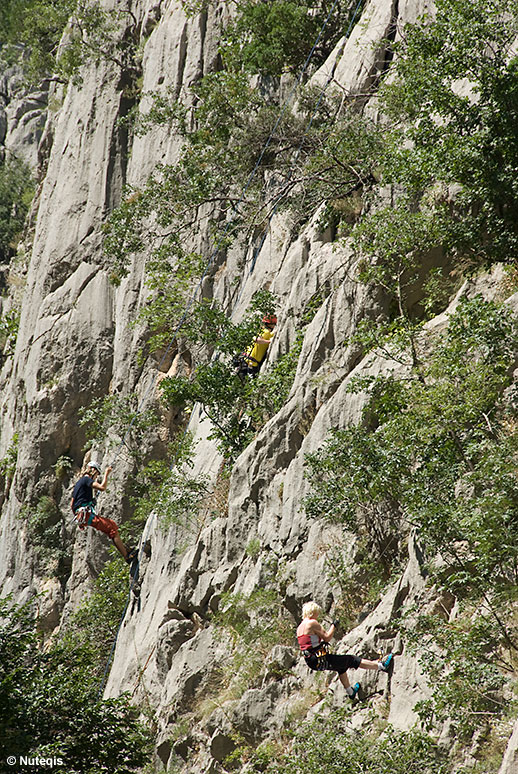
[210,262]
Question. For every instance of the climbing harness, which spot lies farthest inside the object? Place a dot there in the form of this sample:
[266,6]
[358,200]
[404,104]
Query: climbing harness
[320,652]
[85,515]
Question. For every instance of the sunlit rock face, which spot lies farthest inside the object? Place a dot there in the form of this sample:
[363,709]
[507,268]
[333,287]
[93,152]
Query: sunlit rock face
[76,343]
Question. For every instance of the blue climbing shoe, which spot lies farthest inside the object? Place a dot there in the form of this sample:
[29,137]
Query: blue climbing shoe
[354,694]
[387,663]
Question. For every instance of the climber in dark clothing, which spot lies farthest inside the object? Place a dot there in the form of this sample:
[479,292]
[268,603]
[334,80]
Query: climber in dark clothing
[83,506]
[249,362]
[313,640]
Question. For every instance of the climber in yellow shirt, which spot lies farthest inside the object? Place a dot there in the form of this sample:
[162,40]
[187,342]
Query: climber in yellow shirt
[251,359]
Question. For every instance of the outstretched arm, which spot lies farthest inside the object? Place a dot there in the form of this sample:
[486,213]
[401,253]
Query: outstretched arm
[102,486]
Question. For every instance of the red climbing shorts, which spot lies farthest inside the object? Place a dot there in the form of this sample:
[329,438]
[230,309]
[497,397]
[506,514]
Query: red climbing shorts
[108,526]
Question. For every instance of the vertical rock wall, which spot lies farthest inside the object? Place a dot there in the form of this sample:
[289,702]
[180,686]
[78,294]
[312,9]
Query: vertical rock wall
[75,343]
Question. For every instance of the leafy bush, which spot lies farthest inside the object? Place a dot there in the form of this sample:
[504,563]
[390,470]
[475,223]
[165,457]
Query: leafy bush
[8,463]
[9,324]
[326,745]
[94,624]
[172,491]
[214,383]
[49,705]
[16,192]
[237,410]
[436,452]
[55,38]
[224,134]
[450,136]
[269,38]
[63,467]
[463,659]
[430,456]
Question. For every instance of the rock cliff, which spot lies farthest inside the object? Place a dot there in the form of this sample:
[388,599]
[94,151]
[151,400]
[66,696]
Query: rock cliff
[75,343]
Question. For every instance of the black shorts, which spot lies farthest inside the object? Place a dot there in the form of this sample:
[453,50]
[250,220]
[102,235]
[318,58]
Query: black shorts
[333,662]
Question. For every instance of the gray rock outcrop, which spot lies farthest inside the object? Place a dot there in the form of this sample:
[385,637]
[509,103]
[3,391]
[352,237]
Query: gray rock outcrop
[76,343]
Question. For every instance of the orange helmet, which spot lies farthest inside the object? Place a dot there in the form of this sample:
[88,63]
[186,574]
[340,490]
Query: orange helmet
[270,319]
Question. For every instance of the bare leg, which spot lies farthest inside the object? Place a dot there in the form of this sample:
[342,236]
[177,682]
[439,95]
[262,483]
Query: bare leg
[344,680]
[119,545]
[366,664]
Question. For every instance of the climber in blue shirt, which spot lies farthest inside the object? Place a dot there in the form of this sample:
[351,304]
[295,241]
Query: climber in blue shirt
[83,505]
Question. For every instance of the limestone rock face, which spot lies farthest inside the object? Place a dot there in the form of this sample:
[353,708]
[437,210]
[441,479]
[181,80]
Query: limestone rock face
[510,762]
[76,343]
[23,116]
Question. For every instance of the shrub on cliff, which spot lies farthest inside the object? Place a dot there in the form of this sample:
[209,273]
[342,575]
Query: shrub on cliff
[16,190]
[50,708]
[53,39]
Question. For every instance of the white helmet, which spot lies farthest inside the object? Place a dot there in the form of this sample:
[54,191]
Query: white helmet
[95,466]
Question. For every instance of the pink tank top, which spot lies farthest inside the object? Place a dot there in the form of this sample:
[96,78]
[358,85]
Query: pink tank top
[307,641]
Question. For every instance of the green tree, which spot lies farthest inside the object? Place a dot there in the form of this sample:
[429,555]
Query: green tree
[237,409]
[170,489]
[49,705]
[434,451]
[465,659]
[277,36]
[53,39]
[449,134]
[118,420]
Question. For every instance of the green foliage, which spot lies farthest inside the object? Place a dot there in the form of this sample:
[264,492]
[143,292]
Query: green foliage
[38,24]
[450,136]
[63,467]
[463,660]
[55,38]
[171,283]
[252,619]
[118,419]
[236,408]
[327,745]
[223,138]
[171,490]
[16,192]
[93,626]
[9,324]
[220,392]
[271,388]
[253,548]
[46,534]
[436,453]
[8,463]
[269,38]
[50,706]
[183,495]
